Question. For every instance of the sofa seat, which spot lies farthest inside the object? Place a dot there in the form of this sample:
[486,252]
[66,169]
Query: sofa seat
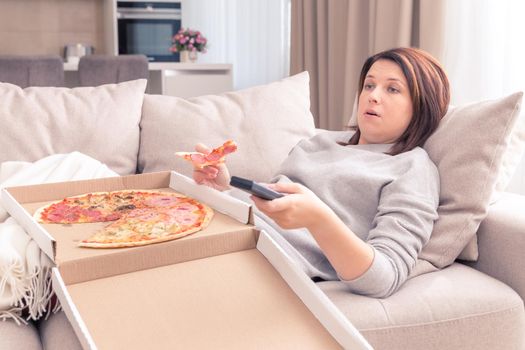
[454,308]
[19,337]
[51,333]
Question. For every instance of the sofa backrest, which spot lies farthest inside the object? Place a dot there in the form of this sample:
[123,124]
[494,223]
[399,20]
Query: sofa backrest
[102,122]
[265,121]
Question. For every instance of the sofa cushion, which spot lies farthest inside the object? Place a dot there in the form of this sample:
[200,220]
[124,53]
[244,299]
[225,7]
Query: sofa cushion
[501,240]
[266,121]
[470,147]
[15,336]
[102,122]
[56,332]
[455,308]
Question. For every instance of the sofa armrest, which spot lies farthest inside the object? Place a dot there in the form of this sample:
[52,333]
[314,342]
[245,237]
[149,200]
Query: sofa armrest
[501,242]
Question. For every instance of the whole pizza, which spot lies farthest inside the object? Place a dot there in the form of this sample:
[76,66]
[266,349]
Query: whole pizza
[136,217]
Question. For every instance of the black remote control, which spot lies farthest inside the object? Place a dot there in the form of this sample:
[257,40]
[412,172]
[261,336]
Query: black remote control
[254,188]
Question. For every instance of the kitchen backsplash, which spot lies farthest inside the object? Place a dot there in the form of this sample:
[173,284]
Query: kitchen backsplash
[35,27]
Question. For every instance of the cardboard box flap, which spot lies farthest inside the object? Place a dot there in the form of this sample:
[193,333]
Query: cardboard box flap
[44,240]
[220,201]
[71,311]
[95,264]
[42,193]
[318,303]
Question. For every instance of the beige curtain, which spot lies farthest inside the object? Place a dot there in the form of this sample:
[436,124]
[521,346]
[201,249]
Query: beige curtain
[331,39]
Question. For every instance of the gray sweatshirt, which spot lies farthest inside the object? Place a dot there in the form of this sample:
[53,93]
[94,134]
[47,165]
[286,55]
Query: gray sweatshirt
[388,201]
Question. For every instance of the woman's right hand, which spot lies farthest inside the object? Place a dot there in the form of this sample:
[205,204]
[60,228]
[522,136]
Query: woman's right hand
[215,176]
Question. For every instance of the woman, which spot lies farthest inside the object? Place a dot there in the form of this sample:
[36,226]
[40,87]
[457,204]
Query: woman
[361,210]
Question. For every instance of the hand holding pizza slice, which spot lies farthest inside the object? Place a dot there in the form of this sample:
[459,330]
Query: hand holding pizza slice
[213,158]
[213,174]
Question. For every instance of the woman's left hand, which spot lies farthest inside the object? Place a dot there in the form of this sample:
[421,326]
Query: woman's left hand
[300,207]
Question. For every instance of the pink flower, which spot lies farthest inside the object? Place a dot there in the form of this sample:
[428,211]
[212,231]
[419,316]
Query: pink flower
[189,39]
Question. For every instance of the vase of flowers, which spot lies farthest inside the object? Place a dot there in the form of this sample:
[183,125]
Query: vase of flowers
[188,43]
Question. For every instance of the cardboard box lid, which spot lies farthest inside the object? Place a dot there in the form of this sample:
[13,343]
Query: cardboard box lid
[233,301]
[59,242]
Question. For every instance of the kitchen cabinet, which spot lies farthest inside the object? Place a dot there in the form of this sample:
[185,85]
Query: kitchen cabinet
[190,79]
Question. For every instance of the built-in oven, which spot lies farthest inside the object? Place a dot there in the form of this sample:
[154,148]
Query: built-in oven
[147,27]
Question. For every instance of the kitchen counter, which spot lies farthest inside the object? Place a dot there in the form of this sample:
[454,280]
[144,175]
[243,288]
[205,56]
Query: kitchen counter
[176,79]
[153,66]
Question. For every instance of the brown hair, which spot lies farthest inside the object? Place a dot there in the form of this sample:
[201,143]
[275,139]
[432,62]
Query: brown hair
[429,88]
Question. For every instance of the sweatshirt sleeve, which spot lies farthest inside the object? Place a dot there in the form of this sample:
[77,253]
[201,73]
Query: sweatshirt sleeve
[402,226]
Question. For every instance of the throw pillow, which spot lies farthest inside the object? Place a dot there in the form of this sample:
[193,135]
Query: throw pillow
[102,122]
[470,148]
[266,122]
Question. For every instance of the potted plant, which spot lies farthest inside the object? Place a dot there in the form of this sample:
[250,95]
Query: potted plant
[188,43]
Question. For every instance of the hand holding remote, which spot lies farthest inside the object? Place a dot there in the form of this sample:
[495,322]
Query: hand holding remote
[254,188]
[299,207]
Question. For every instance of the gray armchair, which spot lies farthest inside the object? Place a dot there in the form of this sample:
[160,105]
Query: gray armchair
[94,70]
[27,71]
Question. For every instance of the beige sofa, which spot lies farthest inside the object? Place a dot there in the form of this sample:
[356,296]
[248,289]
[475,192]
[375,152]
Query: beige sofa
[475,303]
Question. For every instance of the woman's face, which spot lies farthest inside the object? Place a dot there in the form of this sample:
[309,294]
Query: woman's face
[385,105]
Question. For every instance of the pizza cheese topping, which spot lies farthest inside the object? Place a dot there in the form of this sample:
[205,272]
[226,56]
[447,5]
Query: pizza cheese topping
[137,217]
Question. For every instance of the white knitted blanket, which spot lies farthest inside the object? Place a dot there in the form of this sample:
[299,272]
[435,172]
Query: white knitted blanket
[25,271]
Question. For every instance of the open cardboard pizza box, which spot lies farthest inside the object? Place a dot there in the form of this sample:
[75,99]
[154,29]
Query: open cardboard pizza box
[228,286]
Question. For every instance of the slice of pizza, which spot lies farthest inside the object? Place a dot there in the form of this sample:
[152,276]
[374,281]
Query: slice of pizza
[215,157]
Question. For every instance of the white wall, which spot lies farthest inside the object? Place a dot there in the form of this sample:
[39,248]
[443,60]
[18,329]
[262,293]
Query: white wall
[253,35]
[483,54]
